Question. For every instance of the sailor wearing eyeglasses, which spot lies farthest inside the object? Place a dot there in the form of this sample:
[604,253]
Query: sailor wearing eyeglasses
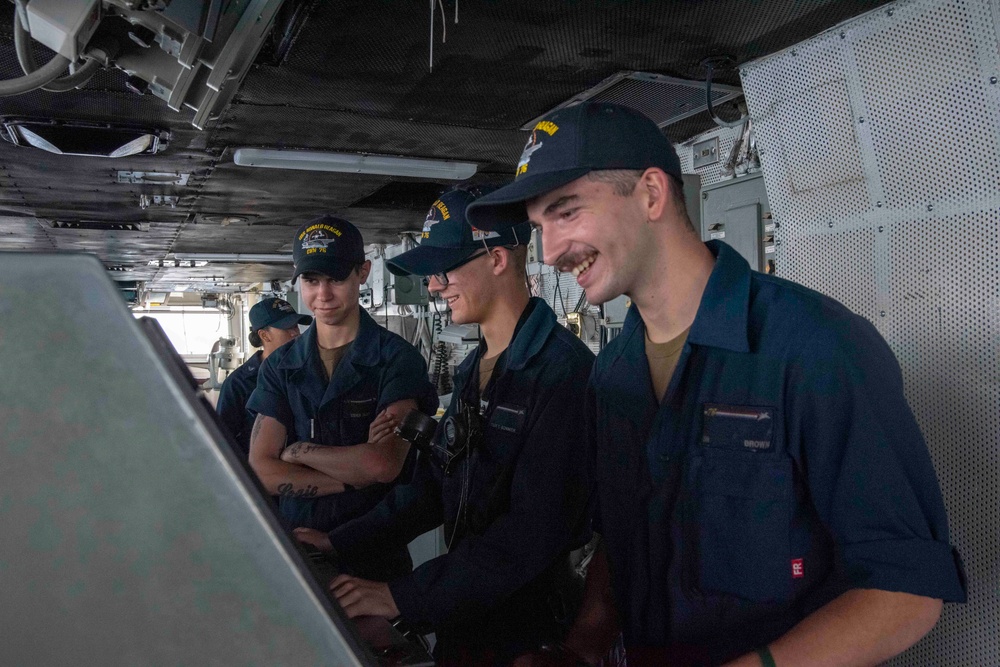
[514,498]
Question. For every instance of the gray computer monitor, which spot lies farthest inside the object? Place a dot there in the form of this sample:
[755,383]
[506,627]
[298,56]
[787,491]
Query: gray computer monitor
[130,532]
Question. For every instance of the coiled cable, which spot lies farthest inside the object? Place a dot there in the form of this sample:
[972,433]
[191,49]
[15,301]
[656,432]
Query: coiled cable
[54,84]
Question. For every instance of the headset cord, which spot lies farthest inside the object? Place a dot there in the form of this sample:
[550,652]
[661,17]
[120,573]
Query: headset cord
[462,498]
[442,378]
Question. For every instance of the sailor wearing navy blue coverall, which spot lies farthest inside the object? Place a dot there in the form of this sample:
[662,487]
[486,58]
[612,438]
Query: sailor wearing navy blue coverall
[772,501]
[273,322]
[515,505]
[335,392]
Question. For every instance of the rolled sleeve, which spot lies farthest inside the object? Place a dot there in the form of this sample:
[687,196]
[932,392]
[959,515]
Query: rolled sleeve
[405,377]
[268,398]
[909,566]
[869,471]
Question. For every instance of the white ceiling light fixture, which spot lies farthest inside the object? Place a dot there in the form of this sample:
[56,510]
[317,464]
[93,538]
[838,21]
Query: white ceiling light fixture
[233,257]
[354,163]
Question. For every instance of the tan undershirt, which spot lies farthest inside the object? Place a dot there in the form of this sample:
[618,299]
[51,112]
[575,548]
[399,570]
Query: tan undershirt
[662,359]
[486,366]
[331,357]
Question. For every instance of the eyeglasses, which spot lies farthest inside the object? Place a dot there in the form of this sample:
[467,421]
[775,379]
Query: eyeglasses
[443,276]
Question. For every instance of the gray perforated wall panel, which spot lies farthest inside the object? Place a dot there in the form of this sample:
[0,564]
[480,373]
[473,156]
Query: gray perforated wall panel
[879,145]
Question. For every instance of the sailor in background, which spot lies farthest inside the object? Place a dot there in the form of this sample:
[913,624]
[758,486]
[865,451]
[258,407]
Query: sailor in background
[273,322]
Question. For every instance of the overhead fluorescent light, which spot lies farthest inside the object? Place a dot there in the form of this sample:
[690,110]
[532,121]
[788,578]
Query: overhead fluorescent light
[232,257]
[354,163]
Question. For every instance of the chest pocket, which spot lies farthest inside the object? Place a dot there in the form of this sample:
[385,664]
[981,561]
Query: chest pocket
[489,492]
[347,423]
[508,419]
[362,408]
[356,415]
[741,428]
[739,506]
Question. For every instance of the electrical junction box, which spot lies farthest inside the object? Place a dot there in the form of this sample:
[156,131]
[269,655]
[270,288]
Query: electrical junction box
[736,212]
[615,311]
[64,27]
[409,291]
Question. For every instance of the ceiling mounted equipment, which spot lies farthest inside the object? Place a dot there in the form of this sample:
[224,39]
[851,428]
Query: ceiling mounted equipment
[190,53]
[80,138]
[152,178]
[354,163]
[664,99]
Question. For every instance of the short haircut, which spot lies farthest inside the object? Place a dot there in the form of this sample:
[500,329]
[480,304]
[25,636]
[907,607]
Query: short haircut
[623,182]
[520,252]
[519,260]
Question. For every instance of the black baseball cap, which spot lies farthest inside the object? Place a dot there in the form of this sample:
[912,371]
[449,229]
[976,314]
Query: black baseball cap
[569,143]
[328,245]
[448,238]
[277,313]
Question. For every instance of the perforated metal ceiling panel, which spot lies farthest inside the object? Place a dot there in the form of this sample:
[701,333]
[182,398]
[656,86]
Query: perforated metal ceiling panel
[880,145]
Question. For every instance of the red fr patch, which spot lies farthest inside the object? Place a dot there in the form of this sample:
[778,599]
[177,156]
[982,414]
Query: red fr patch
[797,570]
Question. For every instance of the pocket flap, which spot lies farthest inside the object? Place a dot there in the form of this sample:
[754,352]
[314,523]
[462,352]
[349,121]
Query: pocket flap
[744,428]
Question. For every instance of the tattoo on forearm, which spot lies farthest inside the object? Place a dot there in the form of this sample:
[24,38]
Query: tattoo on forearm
[256,427]
[301,447]
[286,490]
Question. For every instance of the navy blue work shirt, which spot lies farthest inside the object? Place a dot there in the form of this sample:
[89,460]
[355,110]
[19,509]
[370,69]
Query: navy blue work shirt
[494,592]
[232,403]
[379,369]
[782,468]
